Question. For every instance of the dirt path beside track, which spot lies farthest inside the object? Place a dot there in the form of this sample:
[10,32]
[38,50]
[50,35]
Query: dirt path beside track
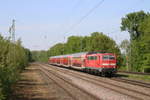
[33,86]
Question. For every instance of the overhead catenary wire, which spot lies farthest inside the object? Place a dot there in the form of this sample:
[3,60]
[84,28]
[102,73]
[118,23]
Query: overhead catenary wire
[75,6]
[84,17]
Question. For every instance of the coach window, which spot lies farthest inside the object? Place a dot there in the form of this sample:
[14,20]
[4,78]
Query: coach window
[92,57]
[95,57]
[89,57]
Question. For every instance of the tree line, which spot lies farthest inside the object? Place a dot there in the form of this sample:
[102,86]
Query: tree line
[95,42]
[13,58]
[39,56]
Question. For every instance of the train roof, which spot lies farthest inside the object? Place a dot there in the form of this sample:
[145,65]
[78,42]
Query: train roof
[78,54]
[60,56]
[70,55]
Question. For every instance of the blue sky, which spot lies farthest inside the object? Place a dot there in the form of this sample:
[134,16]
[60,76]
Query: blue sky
[42,23]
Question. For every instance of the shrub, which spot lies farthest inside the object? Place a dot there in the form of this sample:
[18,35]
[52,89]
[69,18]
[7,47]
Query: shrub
[13,59]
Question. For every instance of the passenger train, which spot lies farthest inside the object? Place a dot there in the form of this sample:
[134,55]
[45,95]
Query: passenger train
[92,62]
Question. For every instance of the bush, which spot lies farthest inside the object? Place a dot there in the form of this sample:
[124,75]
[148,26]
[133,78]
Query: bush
[13,58]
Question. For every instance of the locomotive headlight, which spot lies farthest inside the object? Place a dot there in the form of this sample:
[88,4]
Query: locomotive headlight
[113,64]
[106,64]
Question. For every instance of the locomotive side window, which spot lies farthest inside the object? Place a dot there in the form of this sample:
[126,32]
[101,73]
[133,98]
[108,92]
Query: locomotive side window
[106,57]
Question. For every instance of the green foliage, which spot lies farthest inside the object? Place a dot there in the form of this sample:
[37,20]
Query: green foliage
[40,56]
[74,44]
[145,43]
[13,58]
[101,42]
[131,23]
[137,24]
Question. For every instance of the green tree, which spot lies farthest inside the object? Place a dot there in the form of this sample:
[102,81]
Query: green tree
[40,56]
[101,42]
[145,44]
[74,44]
[132,23]
[57,49]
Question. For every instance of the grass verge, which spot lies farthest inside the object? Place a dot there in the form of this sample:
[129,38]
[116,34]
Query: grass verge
[135,76]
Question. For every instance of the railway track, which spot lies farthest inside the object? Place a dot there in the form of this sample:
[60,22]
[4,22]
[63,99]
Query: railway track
[122,90]
[75,92]
[47,79]
[133,82]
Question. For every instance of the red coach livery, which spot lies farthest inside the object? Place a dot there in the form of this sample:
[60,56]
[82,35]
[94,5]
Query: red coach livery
[95,62]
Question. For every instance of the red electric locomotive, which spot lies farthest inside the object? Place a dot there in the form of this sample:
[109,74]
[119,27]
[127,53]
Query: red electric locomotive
[95,62]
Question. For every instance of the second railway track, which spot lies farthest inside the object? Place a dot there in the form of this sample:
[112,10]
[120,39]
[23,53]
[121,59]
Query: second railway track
[133,82]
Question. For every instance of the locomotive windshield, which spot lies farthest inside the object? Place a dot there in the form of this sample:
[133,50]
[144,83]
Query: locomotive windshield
[108,57]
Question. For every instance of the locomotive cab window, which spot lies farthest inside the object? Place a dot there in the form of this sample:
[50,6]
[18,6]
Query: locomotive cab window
[111,57]
[108,57]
